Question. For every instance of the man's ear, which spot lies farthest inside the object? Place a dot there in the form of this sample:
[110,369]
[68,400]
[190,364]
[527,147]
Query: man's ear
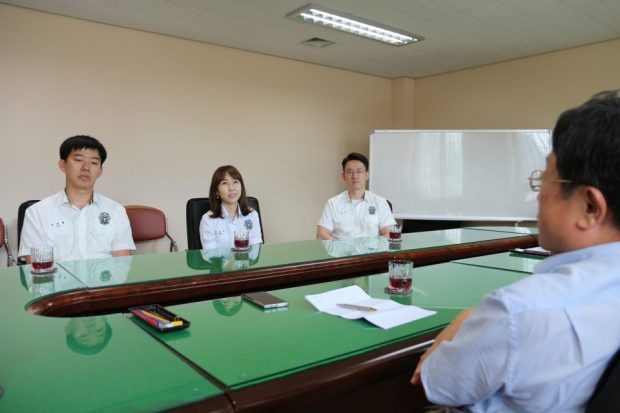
[62,164]
[595,208]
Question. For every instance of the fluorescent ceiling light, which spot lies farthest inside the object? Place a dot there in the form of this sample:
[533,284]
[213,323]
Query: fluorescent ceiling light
[354,25]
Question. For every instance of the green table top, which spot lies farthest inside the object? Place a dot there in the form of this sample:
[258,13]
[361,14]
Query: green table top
[129,371]
[96,273]
[39,285]
[241,345]
[505,261]
[102,363]
[510,229]
[448,237]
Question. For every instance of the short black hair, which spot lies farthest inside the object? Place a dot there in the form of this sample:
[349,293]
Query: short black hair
[355,156]
[586,143]
[77,142]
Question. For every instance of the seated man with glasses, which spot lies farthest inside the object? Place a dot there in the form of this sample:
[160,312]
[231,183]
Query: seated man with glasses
[542,343]
[355,212]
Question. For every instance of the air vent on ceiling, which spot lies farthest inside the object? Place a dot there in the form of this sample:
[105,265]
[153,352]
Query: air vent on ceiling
[317,42]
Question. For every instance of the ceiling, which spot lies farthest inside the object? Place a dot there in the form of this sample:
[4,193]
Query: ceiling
[458,34]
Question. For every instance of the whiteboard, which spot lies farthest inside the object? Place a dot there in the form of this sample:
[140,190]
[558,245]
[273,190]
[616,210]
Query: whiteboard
[458,174]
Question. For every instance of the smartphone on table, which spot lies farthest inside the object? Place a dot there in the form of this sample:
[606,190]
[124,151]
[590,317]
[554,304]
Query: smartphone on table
[265,300]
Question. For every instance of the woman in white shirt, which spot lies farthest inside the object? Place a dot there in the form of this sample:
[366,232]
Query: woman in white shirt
[229,211]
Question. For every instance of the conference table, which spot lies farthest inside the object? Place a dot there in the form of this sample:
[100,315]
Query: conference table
[111,285]
[298,359]
[234,356]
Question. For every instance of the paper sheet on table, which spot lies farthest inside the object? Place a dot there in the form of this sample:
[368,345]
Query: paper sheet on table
[389,313]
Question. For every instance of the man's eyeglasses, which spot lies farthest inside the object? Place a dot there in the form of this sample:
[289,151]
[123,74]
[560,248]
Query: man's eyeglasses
[536,180]
[355,171]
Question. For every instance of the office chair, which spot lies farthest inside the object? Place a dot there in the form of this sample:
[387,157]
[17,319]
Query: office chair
[606,397]
[148,223]
[21,214]
[4,241]
[196,208]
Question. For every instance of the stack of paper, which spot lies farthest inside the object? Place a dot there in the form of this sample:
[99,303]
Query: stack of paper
[386,314]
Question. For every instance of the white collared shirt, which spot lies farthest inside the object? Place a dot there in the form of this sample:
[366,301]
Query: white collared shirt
[216,232]
[347,218]
[94,231]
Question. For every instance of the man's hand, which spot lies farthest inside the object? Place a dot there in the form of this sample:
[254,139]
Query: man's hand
[447,334]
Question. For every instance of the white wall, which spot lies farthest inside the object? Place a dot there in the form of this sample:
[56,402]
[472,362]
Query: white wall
[520,94]
[170,111]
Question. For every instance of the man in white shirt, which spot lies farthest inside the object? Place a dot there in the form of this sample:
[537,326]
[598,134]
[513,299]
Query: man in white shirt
[355,212]
[542,343]
[78,222]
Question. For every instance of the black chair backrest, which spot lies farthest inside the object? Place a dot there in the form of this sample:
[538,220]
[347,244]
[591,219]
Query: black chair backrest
[606,396]
[196,208]
[21,214]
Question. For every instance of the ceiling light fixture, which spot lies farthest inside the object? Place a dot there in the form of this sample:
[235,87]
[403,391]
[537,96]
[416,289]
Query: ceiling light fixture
[332,19]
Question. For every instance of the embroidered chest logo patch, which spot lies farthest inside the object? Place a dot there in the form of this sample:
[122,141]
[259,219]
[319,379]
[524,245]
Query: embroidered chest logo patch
[104,218]
[372,210]
[105,275]
[248,224]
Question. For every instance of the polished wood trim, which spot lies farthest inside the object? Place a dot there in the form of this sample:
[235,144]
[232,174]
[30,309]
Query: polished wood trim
[459,251]
[374,381]
[217,404]
[118,298]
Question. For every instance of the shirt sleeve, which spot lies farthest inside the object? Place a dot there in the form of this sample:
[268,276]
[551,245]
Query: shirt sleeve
[32,233]
[386,218]
[476,363]
[123,239]
[207,232]
[327,217]
[256,237]
[254,252]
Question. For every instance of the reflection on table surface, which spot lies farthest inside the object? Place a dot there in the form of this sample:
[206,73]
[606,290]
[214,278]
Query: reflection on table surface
[100,272]
[220,260]
[505,261]
[143,268]
[40,285]
[88,335]
[101,363]
[356,246]
[511,229]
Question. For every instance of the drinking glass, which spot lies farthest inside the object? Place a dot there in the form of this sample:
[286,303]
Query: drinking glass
[42,259]
[242,240]
[400,276]
[395,233]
